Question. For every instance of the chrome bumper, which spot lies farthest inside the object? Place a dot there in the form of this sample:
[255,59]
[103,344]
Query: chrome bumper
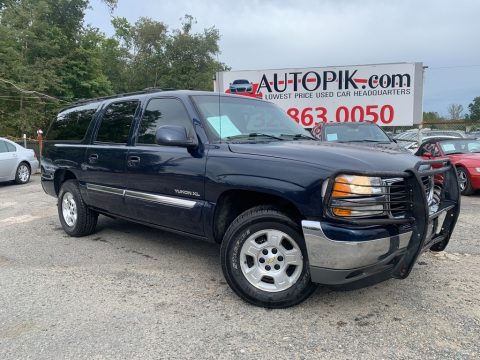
[348,255]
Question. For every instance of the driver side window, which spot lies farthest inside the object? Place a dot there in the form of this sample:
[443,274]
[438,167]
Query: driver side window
[160,112]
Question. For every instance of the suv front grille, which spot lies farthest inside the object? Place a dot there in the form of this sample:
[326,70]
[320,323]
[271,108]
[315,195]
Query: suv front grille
[398,197]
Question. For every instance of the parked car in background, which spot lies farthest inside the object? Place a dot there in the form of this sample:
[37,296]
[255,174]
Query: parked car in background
[362,133]
[16,162]
[463,153]
[474,134]
[411,139]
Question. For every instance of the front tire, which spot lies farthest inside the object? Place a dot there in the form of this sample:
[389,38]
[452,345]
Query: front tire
[22,175]
[464,181]
[76,218]
[264,259]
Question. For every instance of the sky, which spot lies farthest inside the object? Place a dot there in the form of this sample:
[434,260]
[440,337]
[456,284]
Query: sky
[268,34]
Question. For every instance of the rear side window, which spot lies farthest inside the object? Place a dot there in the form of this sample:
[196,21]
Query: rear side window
[10,147]
[116,122]
[72,124]
[3,147]
[160,112]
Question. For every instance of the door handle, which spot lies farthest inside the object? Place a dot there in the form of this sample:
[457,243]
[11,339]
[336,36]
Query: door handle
[133,161]
[92,159]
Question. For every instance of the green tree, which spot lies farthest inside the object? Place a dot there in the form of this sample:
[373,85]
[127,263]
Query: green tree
[432,117]
[474,110]
[192,57]
[44,46]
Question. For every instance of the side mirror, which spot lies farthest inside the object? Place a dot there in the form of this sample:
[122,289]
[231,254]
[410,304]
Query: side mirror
[427,155]
[174,135]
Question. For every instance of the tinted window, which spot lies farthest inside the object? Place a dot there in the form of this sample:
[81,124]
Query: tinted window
[3,147]
[116,122]
[72,124]
[161,112]
[10,147]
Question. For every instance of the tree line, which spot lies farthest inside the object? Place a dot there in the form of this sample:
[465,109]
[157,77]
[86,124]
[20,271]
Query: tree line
[456,112]
[46,46]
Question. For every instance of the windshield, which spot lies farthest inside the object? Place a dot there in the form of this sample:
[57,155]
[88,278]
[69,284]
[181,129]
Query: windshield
[460,146]
[427,134]
[407,136]
[238,82]
[235,118]
[355,133]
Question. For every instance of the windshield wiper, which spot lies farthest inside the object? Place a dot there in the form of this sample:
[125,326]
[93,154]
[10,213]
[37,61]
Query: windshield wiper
[298,136]
[252,135]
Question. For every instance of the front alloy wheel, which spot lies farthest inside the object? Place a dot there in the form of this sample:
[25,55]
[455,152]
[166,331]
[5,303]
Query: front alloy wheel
[271,260]
[264,259]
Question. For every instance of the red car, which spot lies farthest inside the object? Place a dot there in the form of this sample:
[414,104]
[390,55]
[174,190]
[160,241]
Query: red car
[464,153]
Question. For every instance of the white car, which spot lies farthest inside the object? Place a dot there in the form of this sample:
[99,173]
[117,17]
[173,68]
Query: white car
[16,162]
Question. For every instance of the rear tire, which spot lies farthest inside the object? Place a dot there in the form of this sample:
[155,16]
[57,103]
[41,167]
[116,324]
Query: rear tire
[464,181]
[264,259]
[76,218]
[22,175]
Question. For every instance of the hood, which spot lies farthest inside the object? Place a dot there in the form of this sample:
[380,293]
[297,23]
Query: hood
[470,159]
[330,155]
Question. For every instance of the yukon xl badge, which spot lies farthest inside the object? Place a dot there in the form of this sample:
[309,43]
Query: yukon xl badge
[186,192]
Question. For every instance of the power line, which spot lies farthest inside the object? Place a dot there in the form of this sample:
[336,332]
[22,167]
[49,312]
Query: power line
[453,67]
[32,92]
[38,101]
[17,97]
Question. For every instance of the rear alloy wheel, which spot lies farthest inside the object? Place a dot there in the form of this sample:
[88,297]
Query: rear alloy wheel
[22,176]
[464,181]
[76,218]
[264,259]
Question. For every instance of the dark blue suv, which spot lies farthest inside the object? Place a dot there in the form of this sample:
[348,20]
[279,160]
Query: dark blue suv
[289,211]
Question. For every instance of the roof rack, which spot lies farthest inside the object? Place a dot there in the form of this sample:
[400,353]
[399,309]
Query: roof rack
[144,91]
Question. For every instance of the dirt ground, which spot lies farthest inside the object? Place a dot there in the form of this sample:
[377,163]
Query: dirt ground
[133,292]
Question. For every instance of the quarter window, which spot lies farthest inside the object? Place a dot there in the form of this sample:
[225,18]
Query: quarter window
[116,122]
[10,147]
[72,124]
[3,147]
[161,112]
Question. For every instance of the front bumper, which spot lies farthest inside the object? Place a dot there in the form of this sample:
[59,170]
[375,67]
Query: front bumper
[34,166]
[475,179]
[343,252]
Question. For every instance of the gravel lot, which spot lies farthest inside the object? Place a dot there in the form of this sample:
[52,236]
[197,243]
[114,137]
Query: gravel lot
[131,292]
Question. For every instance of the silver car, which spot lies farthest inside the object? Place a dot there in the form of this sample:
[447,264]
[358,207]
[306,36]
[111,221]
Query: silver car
[16,162]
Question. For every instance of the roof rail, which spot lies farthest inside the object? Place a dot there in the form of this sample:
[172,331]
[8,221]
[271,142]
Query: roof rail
[144,91]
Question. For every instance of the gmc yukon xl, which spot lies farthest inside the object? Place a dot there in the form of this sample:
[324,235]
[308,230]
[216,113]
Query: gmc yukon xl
[289,211]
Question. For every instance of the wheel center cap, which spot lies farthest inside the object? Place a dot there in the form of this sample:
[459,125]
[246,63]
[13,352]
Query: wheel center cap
[271,260]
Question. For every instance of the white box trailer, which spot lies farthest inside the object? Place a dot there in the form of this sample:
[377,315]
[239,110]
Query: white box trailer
[387,94]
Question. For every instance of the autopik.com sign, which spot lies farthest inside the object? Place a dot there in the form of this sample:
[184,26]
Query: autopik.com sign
[387,94]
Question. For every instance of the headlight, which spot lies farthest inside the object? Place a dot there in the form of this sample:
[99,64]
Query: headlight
[354,195]
[477,170]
